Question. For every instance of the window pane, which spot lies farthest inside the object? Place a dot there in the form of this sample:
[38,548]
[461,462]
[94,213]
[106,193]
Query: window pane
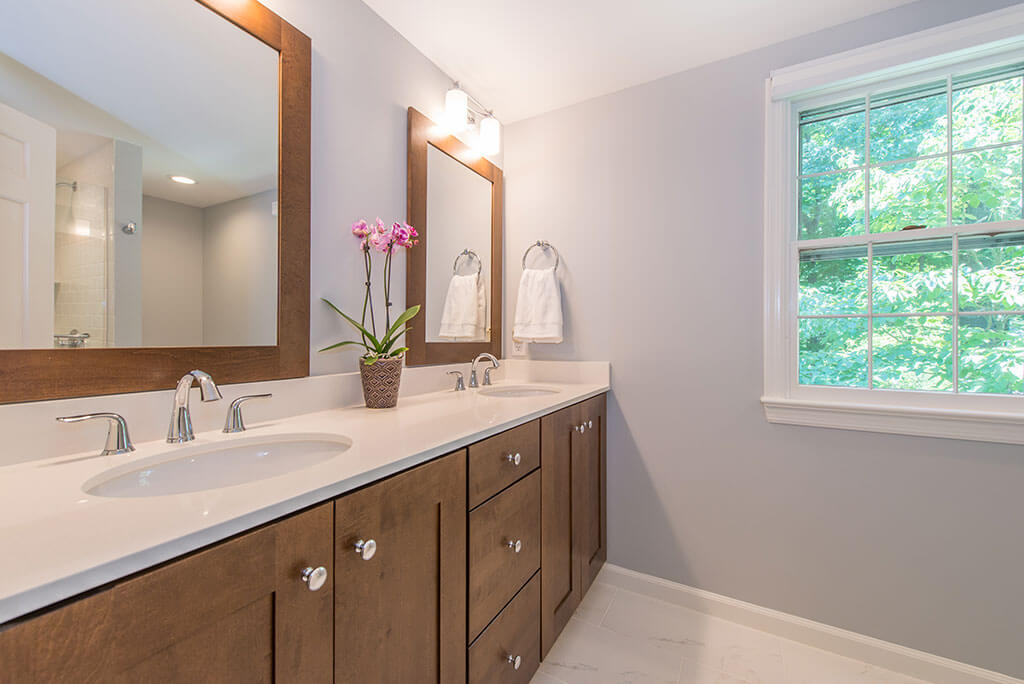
[913,353]
[834,281]
[992,272]
[987,114]
[908,194]
[834,351]
[832,205]
[832,143]
[987,185]
[992,354]
[914,126]
[913,277]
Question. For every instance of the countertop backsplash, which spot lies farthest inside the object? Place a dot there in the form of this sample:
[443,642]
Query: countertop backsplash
[31,431]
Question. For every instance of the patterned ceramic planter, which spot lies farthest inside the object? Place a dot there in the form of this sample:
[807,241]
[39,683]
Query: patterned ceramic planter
[381,381]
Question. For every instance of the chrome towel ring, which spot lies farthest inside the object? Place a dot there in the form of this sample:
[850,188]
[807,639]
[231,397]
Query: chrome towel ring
[472,255]
[543,244]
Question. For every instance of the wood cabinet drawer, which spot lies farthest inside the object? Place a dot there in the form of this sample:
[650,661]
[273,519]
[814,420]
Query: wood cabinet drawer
[514,633]
[490,467]
[496,570]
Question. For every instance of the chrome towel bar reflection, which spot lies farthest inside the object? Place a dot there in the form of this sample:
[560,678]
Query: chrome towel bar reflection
[472,255]
[543,244]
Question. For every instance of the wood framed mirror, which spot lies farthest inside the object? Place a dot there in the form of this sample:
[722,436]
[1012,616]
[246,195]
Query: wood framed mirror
[455,274]
[245,137]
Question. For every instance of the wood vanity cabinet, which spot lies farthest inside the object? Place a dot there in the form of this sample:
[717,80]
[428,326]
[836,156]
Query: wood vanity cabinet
[236,612]
[462,569]
[573,522]
[400,614]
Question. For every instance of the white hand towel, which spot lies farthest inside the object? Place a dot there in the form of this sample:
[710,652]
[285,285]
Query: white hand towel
[465,308]
[539,307]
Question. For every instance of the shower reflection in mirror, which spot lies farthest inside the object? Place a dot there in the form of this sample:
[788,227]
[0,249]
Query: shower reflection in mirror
[135,209]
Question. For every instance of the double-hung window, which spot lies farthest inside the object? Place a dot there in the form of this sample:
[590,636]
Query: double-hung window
[895,250]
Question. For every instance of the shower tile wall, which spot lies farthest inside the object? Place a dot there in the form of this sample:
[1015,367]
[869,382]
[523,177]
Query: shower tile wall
[83,254]
[80,263]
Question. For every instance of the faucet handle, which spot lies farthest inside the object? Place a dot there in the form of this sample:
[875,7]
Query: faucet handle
[460,384]
[487,375]
[118,441]
[234,422]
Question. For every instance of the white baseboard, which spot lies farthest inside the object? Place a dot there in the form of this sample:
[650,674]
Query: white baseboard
[926,666]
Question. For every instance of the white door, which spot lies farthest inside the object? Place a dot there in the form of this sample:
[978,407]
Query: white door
[28,158]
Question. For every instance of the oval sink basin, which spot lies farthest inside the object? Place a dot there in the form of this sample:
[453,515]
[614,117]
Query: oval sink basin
[210,466]
[516,391]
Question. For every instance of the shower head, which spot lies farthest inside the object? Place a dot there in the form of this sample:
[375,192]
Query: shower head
[69,184]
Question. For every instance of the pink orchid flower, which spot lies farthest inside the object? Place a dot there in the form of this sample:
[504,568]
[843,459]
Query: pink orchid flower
[360,229]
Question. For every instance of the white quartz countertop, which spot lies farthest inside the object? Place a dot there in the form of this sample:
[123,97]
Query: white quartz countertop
[56,541]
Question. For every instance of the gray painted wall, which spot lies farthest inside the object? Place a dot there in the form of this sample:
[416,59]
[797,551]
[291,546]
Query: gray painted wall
[653,196]
[365,75]
[240,271]
[172,273]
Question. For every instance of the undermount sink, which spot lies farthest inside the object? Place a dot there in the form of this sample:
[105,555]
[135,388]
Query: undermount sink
[517,391]
[210,466]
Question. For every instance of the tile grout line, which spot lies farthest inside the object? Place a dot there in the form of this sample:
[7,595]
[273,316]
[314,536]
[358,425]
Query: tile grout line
[608,609]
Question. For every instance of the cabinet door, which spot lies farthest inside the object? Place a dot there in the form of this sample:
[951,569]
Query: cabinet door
[560,567]
[400,615]
[573,524]
[589,495]
[236,612]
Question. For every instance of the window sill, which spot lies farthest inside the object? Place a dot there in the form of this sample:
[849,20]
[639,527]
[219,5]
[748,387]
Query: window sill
[982,426]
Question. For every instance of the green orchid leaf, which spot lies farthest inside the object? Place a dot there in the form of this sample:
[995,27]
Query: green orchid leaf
[374,342]
[406,315]
[390,343]
[343,344]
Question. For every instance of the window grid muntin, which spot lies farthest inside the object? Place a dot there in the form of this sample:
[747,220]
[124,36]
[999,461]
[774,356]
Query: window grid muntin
[847,107]
[869,239]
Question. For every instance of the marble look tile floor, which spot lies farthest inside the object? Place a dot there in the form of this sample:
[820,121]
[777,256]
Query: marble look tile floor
[620,637]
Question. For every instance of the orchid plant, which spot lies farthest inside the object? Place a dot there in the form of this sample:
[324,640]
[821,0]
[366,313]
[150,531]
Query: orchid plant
[377,237]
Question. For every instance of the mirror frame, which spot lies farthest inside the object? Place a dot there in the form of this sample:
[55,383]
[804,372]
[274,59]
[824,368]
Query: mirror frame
[424,132]
[38,374]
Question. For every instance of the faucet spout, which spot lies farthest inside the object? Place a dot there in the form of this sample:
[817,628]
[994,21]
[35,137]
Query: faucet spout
[487,373]
[180,429]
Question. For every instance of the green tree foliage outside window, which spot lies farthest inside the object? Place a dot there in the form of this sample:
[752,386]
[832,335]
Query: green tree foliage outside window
[893,321]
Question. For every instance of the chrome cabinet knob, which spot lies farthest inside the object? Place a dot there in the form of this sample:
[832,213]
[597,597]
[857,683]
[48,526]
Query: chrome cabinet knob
[314,577]
[366,549]
[590,424]
[515,459]
[581,428]
[515,661]
[516,545]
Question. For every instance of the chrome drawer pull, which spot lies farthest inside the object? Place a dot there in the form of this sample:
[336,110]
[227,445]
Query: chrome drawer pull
[515,459]
[516,545]
[515,661]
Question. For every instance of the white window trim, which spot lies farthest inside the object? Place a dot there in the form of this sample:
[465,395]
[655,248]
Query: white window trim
[986,38]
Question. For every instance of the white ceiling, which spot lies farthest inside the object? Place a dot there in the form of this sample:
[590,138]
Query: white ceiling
[197,93]
[525,57]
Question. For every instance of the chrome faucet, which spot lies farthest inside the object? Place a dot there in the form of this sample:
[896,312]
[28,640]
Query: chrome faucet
[181,419]
[487,373]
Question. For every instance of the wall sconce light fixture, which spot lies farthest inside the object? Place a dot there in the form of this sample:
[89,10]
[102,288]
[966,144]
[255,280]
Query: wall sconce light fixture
[462,112]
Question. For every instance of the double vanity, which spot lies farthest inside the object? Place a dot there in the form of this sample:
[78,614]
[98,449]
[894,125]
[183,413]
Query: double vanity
[447,540]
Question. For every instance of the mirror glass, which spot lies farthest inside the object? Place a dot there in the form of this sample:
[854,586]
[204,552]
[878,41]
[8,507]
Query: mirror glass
[458,251]
[138,177]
